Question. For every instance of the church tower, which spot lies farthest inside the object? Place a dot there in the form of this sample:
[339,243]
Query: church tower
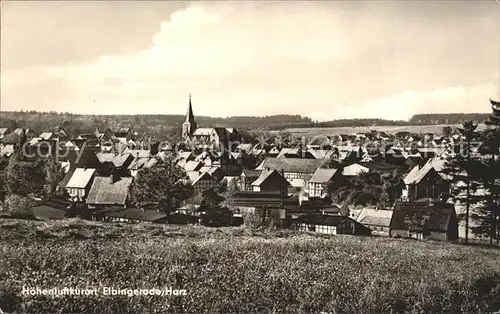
[189,126]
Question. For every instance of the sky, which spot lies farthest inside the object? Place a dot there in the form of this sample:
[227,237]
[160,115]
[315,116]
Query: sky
[323,59]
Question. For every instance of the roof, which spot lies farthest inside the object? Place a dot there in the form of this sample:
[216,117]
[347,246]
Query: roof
[137,214]
[43,211]
[422,215]
[203,131]
[81,178]
[103,192]
[4,131]
[193,165]
[251,173]
[117,160]
[374,213]
[46,135]
[417,174]
[265,174]
[141,153]
[6,150]
[323,175]
[291,164]
[193,175]
[138,163]
[203,176]
[289,151]
[375,221]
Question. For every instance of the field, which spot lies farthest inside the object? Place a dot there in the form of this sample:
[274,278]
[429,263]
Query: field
[239,270]
[436,129]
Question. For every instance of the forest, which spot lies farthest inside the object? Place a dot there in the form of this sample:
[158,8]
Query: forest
[169,126]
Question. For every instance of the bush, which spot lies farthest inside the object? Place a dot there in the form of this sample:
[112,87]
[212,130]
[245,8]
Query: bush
[17,204]
[235,270]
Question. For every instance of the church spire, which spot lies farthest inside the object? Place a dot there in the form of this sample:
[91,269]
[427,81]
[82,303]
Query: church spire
[189,126]
[190,115]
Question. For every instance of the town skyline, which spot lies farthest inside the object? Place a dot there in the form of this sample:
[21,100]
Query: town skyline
[246,58]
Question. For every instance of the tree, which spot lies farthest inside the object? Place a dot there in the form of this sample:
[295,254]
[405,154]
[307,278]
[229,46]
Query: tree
[232,188]
[464,172]
[164,186]
[214,213]
[25,177]
[393,185]
[54,175]
[447,131]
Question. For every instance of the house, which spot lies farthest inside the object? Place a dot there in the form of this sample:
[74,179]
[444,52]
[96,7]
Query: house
[118,163]
[201,181]
[270,181]
[293,168]
[229,165]
[378,220]
[15,136]
[273,152]
[320,182]
[424,220]
[109,191]
[248,201]
[424,182]
[123,134]
[368,167]
[247,177]
[330,224]
[79,184]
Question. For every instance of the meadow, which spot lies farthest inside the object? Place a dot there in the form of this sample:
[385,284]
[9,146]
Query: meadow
[436,129]
[239,270]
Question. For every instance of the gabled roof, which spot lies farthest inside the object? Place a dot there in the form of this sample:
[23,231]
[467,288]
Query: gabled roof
[323,175]
[4,131]
[203,176]
[265,174]
[415,176]
[81,178]
[117,160]
[373,216]
[419,216]
[103,192]
[299,165]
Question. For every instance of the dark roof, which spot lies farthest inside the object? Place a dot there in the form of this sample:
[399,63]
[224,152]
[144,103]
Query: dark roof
[103,192]
[262,199]
[137,214]
[43,211]
[422,215]
[292,164]
[380,166]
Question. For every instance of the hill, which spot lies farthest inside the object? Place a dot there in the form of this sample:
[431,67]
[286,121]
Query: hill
[169,126]
[238,270]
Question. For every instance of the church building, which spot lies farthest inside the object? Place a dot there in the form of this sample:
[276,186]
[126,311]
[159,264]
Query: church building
[206,136]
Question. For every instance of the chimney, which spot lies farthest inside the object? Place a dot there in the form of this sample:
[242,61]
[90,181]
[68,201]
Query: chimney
[111,174]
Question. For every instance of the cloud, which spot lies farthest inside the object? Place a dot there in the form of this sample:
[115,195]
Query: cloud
[324,60]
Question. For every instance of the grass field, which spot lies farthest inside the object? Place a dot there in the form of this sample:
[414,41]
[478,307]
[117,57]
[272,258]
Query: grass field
[239,270]
[436,129]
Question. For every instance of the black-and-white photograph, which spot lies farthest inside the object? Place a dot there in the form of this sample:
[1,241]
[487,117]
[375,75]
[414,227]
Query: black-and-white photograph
[250,156]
